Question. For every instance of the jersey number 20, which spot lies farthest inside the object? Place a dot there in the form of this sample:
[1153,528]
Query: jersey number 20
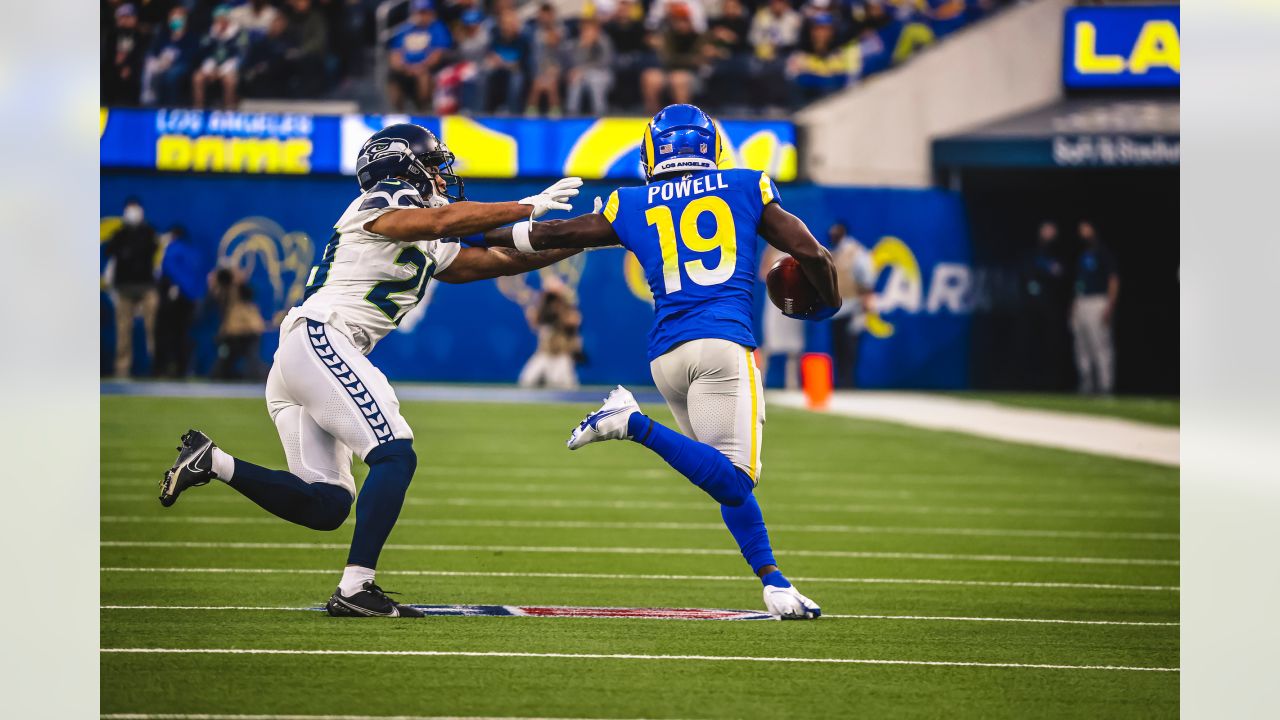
[378,294]
[724,239]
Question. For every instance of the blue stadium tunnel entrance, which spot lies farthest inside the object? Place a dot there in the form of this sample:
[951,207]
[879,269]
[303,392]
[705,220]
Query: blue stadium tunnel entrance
[1111,163]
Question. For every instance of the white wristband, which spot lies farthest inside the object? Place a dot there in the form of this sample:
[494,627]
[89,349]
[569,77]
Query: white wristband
[520,236]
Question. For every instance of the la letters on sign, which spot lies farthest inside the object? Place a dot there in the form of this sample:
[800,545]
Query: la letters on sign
[1133,47]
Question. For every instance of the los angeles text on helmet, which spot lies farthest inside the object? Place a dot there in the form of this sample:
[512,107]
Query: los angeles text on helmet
[687,187]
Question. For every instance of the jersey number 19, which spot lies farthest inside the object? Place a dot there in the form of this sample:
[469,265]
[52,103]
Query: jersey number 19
[724,238]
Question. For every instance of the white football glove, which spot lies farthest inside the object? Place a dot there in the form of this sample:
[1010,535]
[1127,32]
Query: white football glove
[553,198]
[788,604]
[598,207]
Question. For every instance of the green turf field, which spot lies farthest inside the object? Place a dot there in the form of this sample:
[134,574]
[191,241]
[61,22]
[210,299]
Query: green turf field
[1154,410]
[869,519]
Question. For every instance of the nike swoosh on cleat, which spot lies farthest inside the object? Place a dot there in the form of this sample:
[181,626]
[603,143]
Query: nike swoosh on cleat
[595,419]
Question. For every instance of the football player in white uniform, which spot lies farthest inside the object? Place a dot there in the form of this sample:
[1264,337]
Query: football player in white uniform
[326,399]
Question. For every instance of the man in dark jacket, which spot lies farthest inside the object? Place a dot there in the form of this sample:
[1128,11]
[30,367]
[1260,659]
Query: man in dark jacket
[131,257]
[182,284]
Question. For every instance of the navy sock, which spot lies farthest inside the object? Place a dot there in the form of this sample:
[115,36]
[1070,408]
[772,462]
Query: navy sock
[702,464]
[319,506]
[746,524]
[391,467]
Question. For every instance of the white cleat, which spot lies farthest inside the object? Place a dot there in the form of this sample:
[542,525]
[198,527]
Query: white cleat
[788,604]
[607,423]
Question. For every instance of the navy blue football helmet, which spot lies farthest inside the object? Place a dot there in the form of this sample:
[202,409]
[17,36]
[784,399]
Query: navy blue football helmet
[680,137]
[413,154]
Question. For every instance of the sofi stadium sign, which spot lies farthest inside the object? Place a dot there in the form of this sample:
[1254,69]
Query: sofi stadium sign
[193,141]
[1122,47]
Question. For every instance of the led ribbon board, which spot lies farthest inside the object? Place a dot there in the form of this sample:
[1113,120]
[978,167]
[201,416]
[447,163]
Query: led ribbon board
[194,141]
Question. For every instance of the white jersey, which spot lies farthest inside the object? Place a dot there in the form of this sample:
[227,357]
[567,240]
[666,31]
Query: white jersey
[366,282]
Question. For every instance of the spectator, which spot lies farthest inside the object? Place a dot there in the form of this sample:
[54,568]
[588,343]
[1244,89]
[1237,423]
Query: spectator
[556,321]
[591,68]
[415,53]
[219,59]
[255,16]
[548,59]
[131,266]
[782,335]
[1093,313]
[856,281]
[819,68]
[775,31]
[265,70]
[474,43]
[633,52]
[693,10]
[308,48]
[169,62]
[240,331]
[124,48]
[504,69]
[866,17]
[680,49]
[729,53]
[182,286]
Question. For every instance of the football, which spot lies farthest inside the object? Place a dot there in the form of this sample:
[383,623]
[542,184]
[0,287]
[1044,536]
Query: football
[790,290]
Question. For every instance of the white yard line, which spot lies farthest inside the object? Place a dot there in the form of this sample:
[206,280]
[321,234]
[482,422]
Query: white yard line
[223,716]
[569,549]
[649,577]
[1167,501]
[924,618]
[719,527]
[1082,433]
[628,656]
[906,509]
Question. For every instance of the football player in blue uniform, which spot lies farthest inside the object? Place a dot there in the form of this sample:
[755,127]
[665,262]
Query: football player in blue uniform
[693,228]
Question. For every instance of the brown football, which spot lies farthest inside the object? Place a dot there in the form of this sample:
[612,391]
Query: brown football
[790,290]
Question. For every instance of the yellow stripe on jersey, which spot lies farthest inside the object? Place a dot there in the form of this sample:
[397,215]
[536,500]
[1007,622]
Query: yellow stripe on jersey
[755,416]
[766,189]
[611,207]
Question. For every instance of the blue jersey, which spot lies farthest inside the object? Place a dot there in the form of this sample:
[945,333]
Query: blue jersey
[695,236]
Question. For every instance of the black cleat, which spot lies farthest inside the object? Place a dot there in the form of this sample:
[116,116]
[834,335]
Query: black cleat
[372,601]
[193,467]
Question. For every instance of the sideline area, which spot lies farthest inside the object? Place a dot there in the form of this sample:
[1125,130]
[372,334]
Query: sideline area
[1094,434]
[1068,431]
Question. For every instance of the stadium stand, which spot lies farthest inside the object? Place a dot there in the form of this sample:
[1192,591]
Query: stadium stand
[512,56]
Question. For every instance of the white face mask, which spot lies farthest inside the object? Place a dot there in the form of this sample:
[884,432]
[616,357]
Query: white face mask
[133,215]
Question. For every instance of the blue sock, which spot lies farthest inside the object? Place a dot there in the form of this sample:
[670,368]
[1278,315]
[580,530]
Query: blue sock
[702,464]
[391,467]
[319,506]
[776,579]
[746,524]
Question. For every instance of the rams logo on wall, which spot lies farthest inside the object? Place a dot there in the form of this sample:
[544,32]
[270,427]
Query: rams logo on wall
[902,288]
[275,262]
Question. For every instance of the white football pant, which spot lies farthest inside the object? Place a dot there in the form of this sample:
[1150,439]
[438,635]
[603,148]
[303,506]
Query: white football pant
[715,392]
[327,400]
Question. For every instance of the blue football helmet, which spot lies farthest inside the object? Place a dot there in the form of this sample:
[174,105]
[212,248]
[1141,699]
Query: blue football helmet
[680,137]
[411,153]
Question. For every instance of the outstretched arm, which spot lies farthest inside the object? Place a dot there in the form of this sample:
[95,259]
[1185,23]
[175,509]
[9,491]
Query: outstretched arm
[789,234]
[584,231]
[468,218]
[456,220]
[477,263]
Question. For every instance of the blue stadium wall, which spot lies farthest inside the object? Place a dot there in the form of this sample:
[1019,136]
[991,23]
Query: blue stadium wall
[274,226]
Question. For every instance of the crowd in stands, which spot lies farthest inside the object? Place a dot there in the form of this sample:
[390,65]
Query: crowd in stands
[519,56]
